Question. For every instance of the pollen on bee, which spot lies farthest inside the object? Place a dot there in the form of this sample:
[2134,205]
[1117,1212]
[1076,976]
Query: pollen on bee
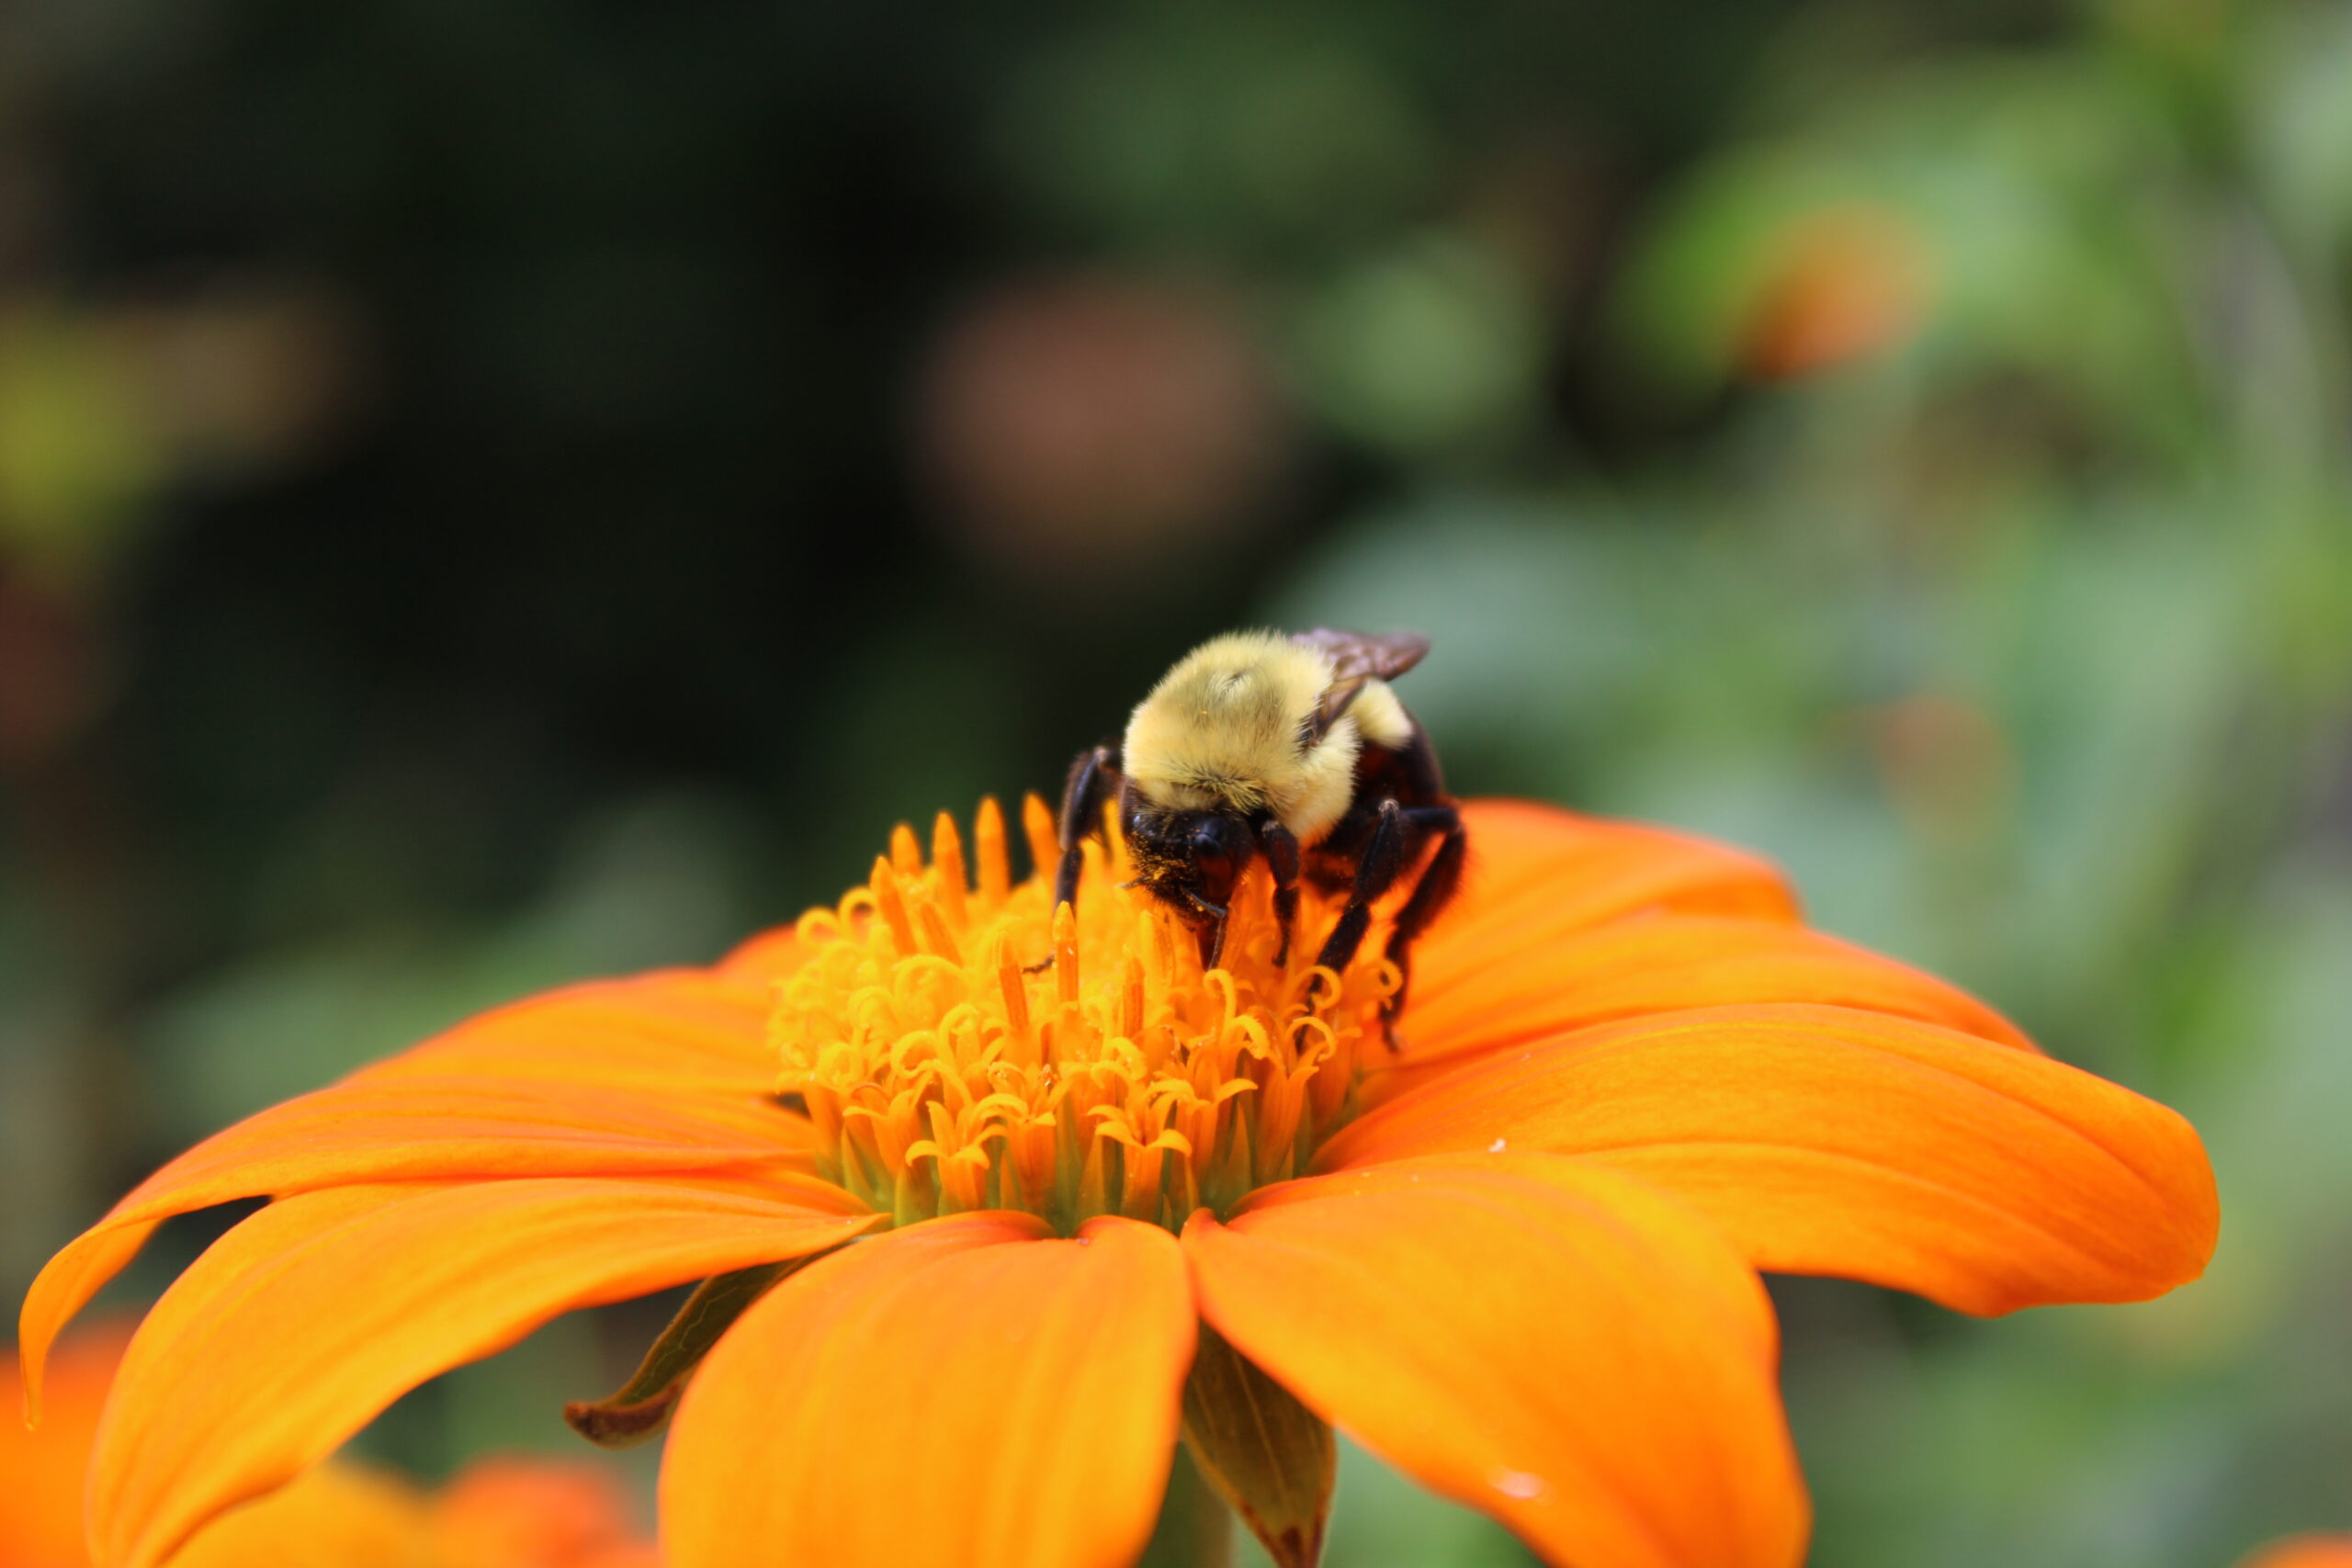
[964,1044]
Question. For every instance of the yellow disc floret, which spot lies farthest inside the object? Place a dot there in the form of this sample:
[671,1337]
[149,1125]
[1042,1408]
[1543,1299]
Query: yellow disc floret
[964,1047]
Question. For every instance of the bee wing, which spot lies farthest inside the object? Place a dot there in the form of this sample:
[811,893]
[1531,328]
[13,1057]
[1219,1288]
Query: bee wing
[1356,658]
[1362,656]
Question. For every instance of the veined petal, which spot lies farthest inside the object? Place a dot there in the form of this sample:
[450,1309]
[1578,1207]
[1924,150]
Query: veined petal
[305,1320]
[964,1390]
[1828,1140]
[62,1288]
[667,1071]
[413,1125]
[1523,986]
[1547,1341]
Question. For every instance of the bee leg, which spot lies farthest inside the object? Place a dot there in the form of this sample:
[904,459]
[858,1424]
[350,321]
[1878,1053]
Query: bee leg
[1439,880]
[1281,850]
[1211,932]
[1095,778]
[1384,856]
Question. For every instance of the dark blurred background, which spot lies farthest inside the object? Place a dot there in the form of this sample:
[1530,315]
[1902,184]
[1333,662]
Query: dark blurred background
[493,492]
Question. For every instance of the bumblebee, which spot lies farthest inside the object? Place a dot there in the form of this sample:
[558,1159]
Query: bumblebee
[1289,748]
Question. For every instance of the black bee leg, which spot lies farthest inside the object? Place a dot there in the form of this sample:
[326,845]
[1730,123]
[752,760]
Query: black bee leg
[1436,889]
[1383,860]
[1210,932]
[1281,850]
[1095,778]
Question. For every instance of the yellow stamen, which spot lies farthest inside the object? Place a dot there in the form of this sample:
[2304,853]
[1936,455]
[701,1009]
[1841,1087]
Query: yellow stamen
[966,1048]
[1044,848]
[1131,998]
[1016,993]
[1066,977]
[893,905]
[936,938]
[906,855]
[996,865]
[947,854]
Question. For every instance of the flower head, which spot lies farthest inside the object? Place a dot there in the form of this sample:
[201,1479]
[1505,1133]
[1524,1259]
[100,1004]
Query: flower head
[993,1201]
[960,1049]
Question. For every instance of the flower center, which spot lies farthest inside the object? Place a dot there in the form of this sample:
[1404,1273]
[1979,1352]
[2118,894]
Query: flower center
[948,1065]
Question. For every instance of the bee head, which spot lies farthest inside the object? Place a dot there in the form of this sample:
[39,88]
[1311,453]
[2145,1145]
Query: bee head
[1190,859]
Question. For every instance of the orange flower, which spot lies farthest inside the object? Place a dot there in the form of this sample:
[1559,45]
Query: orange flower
[1843,283]
[511,1512]
[498,1512]
[2305,1551]
[40,1473]
[1516,1256]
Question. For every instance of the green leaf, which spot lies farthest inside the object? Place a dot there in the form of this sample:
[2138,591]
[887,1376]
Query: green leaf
[1270,1458]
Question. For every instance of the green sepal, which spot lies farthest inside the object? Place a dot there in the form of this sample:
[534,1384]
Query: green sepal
[1271,1459]
[1194,1528]
[640,1408]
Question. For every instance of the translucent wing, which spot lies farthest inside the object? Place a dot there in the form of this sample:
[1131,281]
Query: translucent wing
[1361,656]
[1356,658]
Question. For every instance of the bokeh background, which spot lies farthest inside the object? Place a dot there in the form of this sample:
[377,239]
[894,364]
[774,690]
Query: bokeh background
[493,492]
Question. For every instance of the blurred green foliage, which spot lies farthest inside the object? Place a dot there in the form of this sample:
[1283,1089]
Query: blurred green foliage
[495,493]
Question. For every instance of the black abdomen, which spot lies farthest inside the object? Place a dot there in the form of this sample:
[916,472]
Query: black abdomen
[1409,776]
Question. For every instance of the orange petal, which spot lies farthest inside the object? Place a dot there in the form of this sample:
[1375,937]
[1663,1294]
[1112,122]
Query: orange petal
[673,1033]
[619,1554]
[761,960]
[62,1288]
[302,1323]
[668,1071]
[342,1515]
[1543,1339]
[1538,865]
[961,1391]
[1522,987]
[40,1471]
[405,1126]
[1827,1141]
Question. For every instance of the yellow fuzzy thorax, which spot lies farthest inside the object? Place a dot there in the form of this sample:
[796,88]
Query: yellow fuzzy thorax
[1222,730]
[945,1072]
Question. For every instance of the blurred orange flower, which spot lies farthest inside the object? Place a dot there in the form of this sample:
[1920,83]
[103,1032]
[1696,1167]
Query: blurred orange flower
[2305,1551]
[512,1512]
[1516,1256]
[1096,430]
[497,1513]
[40,1472]
[337,1516]
[1845,282]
